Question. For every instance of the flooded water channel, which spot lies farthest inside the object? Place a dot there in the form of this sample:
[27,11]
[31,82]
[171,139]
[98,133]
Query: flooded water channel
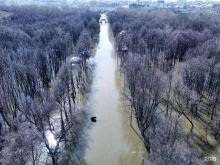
[111,139]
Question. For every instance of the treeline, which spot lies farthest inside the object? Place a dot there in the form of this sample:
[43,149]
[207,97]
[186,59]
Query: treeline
[41,120]
[171,66]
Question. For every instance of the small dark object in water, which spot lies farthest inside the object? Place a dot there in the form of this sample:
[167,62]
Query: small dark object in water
[93,119]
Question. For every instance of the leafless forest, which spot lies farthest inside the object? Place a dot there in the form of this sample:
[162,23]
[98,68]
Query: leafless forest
[171,67]
[170,63]
[38,84]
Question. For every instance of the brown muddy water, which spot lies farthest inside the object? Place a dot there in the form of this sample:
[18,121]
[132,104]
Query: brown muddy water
[111,139]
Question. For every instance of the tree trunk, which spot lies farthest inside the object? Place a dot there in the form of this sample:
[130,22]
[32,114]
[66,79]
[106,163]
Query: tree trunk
[54,160]
[147,144]
[214,106]
[191,129]
[32,152]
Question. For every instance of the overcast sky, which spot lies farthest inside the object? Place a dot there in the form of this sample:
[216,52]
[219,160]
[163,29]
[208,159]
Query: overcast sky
[146,0]
[134,0]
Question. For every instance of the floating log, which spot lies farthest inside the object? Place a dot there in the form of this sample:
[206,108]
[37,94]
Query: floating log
[93,119]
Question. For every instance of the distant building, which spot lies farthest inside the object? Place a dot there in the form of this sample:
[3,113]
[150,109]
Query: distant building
[115,4]
[93,2]
[181,1]
[46,2]
[122,2]
[216,5]
[13,2]
[135,6]
[160,1]
[207,1]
